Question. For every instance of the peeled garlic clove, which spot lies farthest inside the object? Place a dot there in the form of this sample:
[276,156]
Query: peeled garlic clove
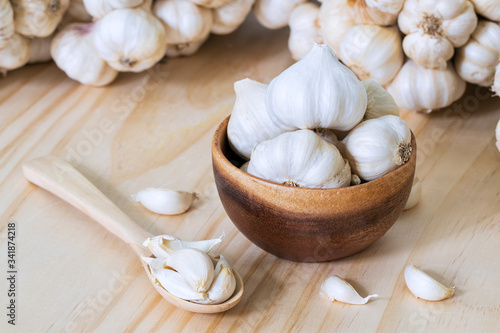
[165,201]
[38,18]
[377,146]
[302,159]
[249,123]
[230,16]
[15,54]
[195,266]
[380,102]
[304,29]
[6,22]
[164,245]
[336,289]
[40,50]
[316,92]
[423,286]
[99,8]
[336,18]
[130,40]
[154,263]
[177,285]
[416,192]
[487,8]
[73,51]
[223,285]
[274,14]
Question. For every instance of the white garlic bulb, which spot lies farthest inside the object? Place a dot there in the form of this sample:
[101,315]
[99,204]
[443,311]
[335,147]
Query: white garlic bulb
[6,22]
[15,54]
[423,286]
[380,102]
[423,89]
[165,201]
[377,146]
[249,123]
[274,14]
[38,18]
[230,16]
[316,92]
[40,50]
[301,159]
[476,60]
[211,3]
[130,40]
[183,20]
[195,266]
[304,29]
[434,28]
[164,245]
[223,285]
[335,18]
[184,49]
[99,8]
[377,12]
[336,289]
[415,194]
[73,51]
[488,8]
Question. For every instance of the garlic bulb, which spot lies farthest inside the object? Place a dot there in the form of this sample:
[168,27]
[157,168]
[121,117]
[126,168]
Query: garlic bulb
[249,123]
[185,49]
[423,286]
[130,40]
[164,245]
[336,289]
[165,201]
[6,22]
[223,285]
[15,54]
[40,50]
[488,8]
[211,3]
[274,14]
[301,159]
[335,18]
[476,60]
[230,16]
[316,92]
[380,102]
[434,28]
[184,21]
[73,51]
[195,266]
[416,192]
[38,18]
[376,12]
[377,146]
[372,52]
[304,29]
[99,8]
[422,89]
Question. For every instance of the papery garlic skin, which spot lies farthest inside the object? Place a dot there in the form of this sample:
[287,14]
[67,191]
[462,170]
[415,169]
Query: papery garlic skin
[130,40]
[316,92]
[184,21]
[380,102]
[38,18]
[415,194]
[434,28]
[99,8]
[249,123]
[6,22]
[165,201]
[15,54]
[274,14]
[229,17]
[476,60]
[378,146]
[301,159]
[304,29]
[223,285]
[73,52]
[40,50]
[164,245]
[335,18]
[423,286]
[372,52]
[195,266]
[422,89]
[488,8]
[336,289]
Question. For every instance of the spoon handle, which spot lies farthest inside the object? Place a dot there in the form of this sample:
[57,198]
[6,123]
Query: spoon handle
[61,179]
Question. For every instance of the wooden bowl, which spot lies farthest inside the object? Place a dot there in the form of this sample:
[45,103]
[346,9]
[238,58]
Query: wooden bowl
[304,224]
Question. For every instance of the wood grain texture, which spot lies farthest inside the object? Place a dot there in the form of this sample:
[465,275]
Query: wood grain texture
[155,129]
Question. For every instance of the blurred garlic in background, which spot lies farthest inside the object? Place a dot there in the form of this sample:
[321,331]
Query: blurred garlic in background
[99,8]
[379,12]
[497,135]
[211,3]
[304,30]
[274,14]
[6,22]
[38,18]
[15,54]
[40,49]
[185,49]
[76,13]
[336,18]
[230,16]
[488,8]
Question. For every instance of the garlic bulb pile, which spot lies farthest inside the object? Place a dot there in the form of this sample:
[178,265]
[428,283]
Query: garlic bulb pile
[186,269]
[289,138]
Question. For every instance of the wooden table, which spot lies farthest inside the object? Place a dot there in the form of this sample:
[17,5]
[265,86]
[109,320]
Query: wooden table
[155,129]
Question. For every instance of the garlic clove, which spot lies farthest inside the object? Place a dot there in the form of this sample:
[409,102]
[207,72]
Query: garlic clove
[223,285]
[274,14]
[15,54]
[6,23]
[377,146]
[154,263]
[380,102]
[487,8]
[423,286]
[316,92]
[228,17]
[211,3]
[165,201]
[38,18]
[416,192]
[176,284]
[164,245]
[195,266]
[336,289]
[304,29]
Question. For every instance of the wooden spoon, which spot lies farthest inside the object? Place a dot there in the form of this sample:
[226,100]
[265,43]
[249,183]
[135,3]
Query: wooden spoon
[60,178]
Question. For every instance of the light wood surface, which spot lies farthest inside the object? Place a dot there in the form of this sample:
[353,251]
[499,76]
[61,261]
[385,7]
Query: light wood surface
[155,129]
